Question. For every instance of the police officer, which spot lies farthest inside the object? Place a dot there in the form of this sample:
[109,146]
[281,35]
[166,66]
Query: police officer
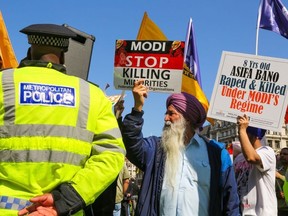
[60,145]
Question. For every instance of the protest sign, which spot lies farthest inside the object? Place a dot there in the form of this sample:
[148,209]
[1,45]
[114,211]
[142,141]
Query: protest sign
[158,63]
[250,84]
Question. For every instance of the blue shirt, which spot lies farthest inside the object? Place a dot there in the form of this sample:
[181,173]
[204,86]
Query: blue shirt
[191,191]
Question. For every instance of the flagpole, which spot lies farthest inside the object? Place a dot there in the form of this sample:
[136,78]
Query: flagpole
[258,25]
[187,38]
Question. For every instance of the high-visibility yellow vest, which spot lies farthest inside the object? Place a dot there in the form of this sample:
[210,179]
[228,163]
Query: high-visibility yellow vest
[55,128]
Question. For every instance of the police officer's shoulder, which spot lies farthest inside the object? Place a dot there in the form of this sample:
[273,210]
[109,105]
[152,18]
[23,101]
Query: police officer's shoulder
[93,83]
[4,69]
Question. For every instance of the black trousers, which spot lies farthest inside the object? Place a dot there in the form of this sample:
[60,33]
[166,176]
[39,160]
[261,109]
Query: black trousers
[104,204]
[282,212]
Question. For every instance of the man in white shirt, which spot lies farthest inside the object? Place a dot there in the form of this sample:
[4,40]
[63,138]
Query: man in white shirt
[256,174]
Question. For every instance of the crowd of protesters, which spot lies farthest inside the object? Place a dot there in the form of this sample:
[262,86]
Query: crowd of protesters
[184,172]
[253,170]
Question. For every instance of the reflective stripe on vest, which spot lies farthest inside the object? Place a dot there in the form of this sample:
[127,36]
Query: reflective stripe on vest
[8,131]
[13,203]
[7,80]
[84,104]
[42,156]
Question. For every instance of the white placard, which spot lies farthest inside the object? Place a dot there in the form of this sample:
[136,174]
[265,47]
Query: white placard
[250,84]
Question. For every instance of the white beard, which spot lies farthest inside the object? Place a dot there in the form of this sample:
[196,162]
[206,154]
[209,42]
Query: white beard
[173,143]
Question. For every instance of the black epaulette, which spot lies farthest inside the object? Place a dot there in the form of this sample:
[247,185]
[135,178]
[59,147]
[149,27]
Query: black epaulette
[93,83]
[2,69]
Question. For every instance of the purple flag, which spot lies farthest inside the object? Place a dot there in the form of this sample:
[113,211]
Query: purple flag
[274,17]
[190,53]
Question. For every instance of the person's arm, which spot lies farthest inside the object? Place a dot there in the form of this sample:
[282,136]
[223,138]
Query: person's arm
[230,199]
[125,185]
[126,177]
[230,195]
[278,175]
[248,150]
[139,150]
[140,92]
[105,161]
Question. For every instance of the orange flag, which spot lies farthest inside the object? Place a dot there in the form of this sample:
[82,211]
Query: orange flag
[150,31]
[191,86]
[7,55]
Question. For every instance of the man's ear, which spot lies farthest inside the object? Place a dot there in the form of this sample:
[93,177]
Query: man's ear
[62,58]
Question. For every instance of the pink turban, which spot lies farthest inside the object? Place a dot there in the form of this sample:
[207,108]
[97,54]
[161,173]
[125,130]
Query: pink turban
[189,106]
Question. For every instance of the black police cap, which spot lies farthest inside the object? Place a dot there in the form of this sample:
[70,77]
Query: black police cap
[49,35]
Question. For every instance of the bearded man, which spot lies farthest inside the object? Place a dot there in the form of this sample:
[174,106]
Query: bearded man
[184,173]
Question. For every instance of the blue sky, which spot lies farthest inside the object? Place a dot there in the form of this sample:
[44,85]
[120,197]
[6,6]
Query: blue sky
[225,25]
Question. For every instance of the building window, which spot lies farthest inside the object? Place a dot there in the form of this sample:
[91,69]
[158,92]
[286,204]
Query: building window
[270,143]
[277,144]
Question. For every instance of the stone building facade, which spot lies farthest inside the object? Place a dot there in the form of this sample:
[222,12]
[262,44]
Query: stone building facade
[227,132]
